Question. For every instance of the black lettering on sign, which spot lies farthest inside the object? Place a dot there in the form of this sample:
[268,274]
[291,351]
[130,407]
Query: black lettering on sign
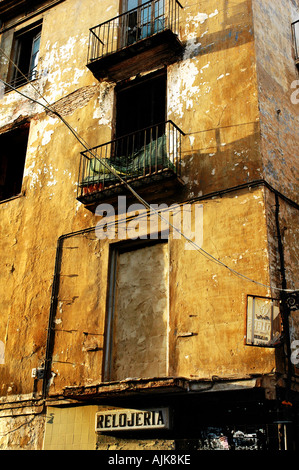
[107,421]
[114,425]
[160,418]
[147,418]
[131,422]
[122,420]
[100,421]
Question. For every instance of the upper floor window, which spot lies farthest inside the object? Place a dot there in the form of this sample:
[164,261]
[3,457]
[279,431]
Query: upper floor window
[144,18]
[25,55]
[141,105]
[144,36]
[145,151]
[13,147]
[295,29]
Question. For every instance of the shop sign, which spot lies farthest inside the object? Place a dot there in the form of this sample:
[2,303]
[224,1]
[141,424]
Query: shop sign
[128,419]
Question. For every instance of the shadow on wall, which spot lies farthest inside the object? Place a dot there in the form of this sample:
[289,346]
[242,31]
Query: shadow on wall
[236,30]
[219,160]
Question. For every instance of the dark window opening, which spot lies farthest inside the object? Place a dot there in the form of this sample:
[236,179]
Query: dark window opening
[13,146]
[141,113]
[25,55]
[295,30]
[146,148]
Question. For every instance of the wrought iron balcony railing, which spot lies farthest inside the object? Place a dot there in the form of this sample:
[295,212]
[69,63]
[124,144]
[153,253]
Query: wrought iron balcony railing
[149,155]
[295,29]
[154,16]
[21,80]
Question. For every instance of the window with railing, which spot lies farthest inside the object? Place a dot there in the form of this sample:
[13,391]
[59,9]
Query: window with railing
[295,30]
[153,153]
[146,149]
[140,20]
[25,54]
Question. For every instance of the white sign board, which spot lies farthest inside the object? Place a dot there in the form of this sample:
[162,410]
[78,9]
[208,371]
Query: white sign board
[128,419]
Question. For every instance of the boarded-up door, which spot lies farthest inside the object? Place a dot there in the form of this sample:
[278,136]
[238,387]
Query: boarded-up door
[138,313]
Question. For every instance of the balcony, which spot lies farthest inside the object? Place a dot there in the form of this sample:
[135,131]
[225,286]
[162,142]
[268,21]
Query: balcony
[148,160]
[138,40]
[295,30]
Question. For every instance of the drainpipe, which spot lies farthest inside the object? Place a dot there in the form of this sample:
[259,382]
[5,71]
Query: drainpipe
[53,307]
[284,439]
[285,307]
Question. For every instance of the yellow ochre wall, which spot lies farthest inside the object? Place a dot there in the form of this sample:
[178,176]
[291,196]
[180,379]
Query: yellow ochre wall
[213,96]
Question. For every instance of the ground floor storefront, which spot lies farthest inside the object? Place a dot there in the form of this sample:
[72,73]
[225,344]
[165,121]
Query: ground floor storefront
[182,422]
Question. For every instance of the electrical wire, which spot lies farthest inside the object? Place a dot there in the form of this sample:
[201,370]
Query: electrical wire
[137,196]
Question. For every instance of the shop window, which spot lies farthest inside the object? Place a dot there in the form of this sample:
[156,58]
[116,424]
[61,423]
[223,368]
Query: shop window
[25,55]
[263,321]
[136,330]
[13,146]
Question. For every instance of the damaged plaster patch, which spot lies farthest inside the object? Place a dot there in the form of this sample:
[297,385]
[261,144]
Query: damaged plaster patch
[182,76]
[191,139]
[222,76]
[192,48]
[37,132]
[181,87]
[11,104]
[214,14]
[200,18]
[40,130]
[47,137]
[52,74]
[104,105]
[204,67]
[76,100]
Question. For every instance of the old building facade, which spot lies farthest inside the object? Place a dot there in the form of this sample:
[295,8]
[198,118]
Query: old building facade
[149,224]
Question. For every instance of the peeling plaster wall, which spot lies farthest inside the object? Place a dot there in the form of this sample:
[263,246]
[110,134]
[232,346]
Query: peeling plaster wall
[24,433]
[277,73]
[80,317]
[279,120]
[207,330]
[213,96]
[47,208]
[207,327]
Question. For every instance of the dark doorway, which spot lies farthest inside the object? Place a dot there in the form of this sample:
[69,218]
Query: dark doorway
[141,105]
